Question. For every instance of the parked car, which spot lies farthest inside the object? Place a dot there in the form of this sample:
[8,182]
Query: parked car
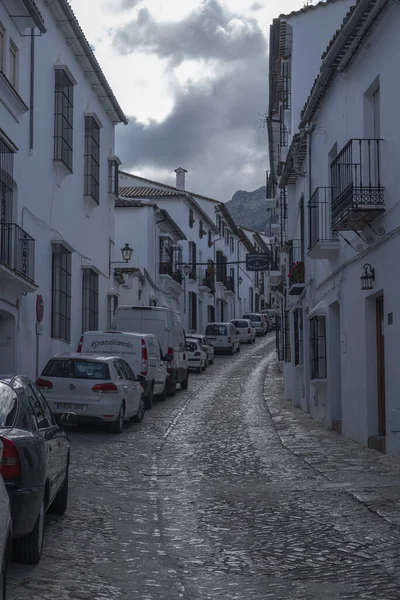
[142,351]
[247,331]
[258,322]
[166,324]
[203,339]
[96,388]
[34,463]
[5,531]
[197,355]
[224,337]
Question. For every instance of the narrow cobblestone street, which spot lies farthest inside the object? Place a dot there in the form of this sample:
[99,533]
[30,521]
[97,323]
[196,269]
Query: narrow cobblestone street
[223,492]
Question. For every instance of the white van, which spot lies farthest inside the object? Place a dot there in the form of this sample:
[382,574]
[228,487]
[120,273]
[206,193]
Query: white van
[224,337]
[166,324]
[141,351]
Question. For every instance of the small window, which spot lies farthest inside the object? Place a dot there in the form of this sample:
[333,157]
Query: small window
[209,239]
[92,159]
[201,229]
[219,223]
[13,65]
[63,118]
[61,293]
[113,177]
[90,300]
[232,244]
[318,348]
[191,218]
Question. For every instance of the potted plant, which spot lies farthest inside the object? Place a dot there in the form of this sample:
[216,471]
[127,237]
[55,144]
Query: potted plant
[297,272]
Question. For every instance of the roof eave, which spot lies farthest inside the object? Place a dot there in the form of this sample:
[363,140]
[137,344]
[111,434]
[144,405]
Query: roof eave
[35,14]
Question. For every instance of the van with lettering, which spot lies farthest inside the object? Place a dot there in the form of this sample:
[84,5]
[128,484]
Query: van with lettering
[142,351]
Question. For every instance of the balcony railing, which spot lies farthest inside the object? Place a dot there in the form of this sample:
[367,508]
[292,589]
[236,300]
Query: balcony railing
[17,250]
[207,279]
[167,268]
[296,274]
[358,194]
[319,220]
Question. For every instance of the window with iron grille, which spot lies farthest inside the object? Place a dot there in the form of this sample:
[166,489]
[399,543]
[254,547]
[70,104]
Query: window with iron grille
[232,244]
[61,293]
[92,158]
[221,267]
[193,255]
[13,65]
[165,256]
[112,303]
[63,118]
[90,300]
[227,236]
[298,336]
[318,347]
[288,351]
[193,311]
[251,299]
[219,223]
[113,177]
[209,239]
[191,218]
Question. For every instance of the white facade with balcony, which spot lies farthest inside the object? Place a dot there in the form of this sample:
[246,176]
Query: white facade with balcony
[341,339]
[56,210]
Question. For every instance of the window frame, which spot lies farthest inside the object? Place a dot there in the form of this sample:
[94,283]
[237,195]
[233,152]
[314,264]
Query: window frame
[113,174]
[13,72]
[318,357]
[61,274]
[90,300]
[298,327]
[92,158]
[63,118]
[2,47]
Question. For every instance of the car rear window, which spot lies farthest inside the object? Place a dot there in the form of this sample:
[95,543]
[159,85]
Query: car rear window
[253,317]
[243,324]
[8,405]
[216,330]
[76,369]
[191,346]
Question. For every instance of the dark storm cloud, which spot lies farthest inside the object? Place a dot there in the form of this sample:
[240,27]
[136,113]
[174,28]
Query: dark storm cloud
[213,130]
[209,32]
[256,6]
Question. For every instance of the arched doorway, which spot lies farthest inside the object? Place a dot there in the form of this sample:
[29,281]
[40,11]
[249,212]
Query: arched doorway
[7,342]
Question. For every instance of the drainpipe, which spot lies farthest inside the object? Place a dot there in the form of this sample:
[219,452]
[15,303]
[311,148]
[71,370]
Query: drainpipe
[32,90]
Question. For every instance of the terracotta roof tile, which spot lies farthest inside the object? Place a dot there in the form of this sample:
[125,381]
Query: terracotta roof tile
[307,8]
[147,192]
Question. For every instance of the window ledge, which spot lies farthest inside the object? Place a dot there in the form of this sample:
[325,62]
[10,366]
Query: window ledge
[61,168]
[91,199]
[11,98]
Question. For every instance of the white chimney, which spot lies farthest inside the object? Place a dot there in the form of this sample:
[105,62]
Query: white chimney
[180,178]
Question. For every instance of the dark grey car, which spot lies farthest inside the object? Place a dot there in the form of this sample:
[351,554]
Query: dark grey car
[34,464]
[5,534]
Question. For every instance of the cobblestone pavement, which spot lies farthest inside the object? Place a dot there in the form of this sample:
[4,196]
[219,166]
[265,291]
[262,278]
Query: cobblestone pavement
[223,492]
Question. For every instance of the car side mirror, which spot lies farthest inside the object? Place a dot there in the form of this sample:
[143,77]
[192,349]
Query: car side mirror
[141,378]
[69,420]
[169,358]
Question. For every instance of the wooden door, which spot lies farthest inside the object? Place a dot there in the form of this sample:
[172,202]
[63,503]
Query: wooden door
[380,351]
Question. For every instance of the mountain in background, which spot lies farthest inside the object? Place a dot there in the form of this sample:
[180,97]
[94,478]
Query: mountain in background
[248,209]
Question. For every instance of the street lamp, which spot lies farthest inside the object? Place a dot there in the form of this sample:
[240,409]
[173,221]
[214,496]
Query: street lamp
[240,280]
[368,277]
[126,252]
[187,269]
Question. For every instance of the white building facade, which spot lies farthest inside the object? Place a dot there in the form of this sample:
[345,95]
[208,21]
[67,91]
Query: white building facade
[58,177]
[342,206]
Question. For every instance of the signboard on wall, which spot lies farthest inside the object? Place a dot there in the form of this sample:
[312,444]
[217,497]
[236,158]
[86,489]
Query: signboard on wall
[257,262]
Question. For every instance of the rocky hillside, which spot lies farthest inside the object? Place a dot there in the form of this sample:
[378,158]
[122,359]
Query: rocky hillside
[248,209]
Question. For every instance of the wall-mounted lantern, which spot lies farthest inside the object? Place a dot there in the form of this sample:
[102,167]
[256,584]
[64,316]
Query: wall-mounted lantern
[368,277]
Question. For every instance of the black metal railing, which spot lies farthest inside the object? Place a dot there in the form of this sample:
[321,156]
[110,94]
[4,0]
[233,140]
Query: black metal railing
[319,217]
[17,250]
[356,177]
[230,284]
[207,278]
[166,268]
[296,272]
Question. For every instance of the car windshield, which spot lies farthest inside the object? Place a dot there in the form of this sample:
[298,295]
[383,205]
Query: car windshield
[76,369]
[8,405]
[216,330]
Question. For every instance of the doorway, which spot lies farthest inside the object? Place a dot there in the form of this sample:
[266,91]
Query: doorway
[7,342]
[380,355]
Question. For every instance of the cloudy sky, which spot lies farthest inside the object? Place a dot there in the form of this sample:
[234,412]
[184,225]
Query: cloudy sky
[191,75]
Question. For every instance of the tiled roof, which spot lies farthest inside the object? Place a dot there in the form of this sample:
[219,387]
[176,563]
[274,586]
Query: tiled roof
[105,92]
[131,203]
[37,16]
[347,47]
[307,8]
[147,192]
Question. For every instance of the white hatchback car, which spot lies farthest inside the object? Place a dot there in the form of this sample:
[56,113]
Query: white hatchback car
[247,331]
[203,339]
[197,355]
[96,388]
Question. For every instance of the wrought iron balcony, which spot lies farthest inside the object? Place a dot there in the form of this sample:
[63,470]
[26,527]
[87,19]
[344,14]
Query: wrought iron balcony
[17,250]
[322,240]
[358,194]
[230,284]
[207,280]
[296,274]
[167,268]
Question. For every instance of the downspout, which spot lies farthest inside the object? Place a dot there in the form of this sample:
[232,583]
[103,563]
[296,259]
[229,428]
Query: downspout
[32,90]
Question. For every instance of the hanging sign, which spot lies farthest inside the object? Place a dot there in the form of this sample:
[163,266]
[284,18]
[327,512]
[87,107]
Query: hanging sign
[257,262]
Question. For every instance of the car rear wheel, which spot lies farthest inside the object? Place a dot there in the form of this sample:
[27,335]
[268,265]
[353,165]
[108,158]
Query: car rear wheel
[171,388]
[28,550]
[148,400]
[138,418]
[163,396]
[118,425]
[232,350]
[60,502]
[185,383]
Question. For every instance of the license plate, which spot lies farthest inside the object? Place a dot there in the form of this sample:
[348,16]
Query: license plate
[212,339]
[70,407]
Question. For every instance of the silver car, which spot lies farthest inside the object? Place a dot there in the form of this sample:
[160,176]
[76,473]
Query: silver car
[5,533]
[247,331]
